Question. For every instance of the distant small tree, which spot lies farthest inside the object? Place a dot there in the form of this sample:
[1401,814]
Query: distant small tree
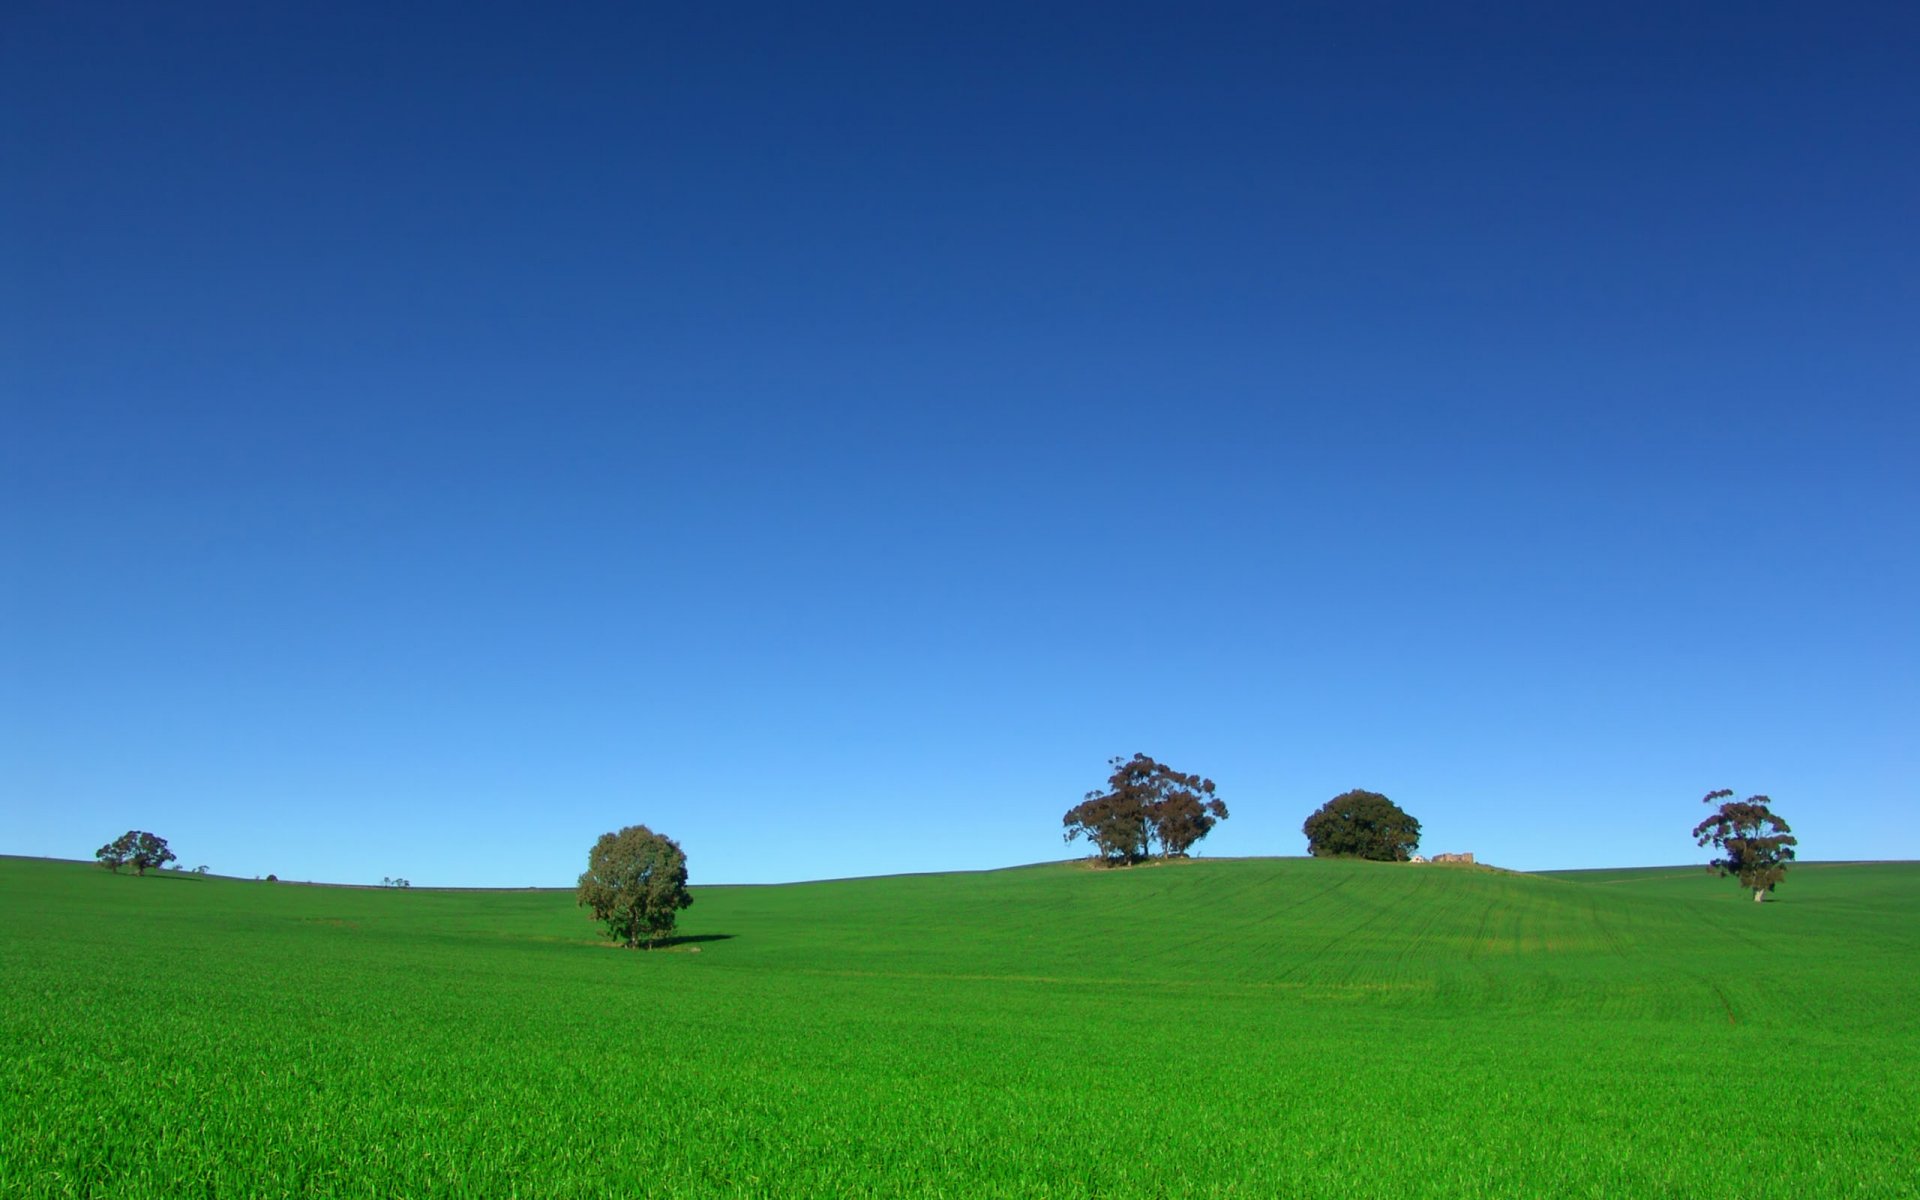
[1145,803]
[200,870]
[138,848]
[1755,845]
[635,884]
[1362,824]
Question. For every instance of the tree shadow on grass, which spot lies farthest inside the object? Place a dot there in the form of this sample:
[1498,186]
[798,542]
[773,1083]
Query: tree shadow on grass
[691,939]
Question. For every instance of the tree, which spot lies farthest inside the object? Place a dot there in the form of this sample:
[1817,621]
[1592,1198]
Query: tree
[1186,811]
[115,853]
[1115,822]
[635,883]
[150,852]
[1755,845]
[137,847]
[1146,802]
[1362,824]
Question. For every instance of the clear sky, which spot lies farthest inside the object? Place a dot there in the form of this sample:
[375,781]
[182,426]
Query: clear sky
[435,435]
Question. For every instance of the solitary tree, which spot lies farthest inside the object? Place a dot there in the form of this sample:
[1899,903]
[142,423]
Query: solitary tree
[1755,846]
[142,850]
[1362,824]
[635,883]
[1145,803]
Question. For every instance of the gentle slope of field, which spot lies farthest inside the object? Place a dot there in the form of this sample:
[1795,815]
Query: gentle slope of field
[1257,1028]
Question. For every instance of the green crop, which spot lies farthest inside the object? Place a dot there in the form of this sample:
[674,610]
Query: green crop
[1253,1028]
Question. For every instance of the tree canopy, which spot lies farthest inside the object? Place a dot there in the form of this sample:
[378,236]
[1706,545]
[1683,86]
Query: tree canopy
[1362,824]
[1755,845]
[137,848]
[1145,804]
[636,885]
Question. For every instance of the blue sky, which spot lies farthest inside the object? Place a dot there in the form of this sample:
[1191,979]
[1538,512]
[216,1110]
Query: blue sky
[827,435]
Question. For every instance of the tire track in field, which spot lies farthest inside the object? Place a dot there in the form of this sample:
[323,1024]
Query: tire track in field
[1268,949]
[1490,979]
[1761,951]
[1480,933]
[1707,983]
[1339,882]
[1615,943]
[1326,949]
[1661,963]
[1417,938]
[1414,948]
[1234,899]
[1724,1004]
[1264,939]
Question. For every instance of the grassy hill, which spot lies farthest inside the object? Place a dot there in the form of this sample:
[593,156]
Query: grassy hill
[1256,1028]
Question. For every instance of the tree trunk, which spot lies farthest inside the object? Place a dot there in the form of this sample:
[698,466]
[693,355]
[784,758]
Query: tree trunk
[1759,894]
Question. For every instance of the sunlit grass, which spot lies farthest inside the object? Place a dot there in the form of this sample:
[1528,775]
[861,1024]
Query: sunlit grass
[1247,1028]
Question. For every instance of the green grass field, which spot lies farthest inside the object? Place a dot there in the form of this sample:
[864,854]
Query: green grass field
[1253,1028]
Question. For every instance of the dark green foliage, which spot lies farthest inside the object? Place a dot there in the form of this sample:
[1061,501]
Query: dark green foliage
[115,853]
[150,852]
[1755,845]
[137,848]
[635,883]
[1115,824]
[1362,824]
[1146,803]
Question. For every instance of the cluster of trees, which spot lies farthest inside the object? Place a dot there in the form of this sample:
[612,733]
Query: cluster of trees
[394,881]
[636,885]
[1146,805]
[1149,808]
[135,848]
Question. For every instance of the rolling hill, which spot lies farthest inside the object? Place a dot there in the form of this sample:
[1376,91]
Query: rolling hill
[1251,1027]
